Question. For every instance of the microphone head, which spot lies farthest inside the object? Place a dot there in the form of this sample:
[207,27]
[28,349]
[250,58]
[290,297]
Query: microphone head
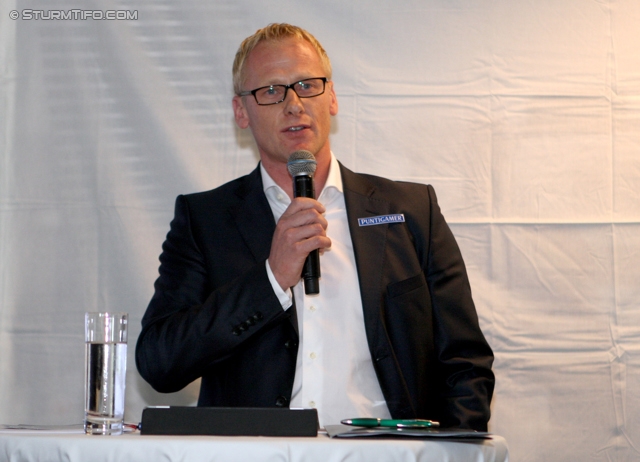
[301,163]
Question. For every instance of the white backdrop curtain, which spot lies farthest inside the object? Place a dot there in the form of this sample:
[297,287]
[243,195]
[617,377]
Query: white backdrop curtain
[524,115]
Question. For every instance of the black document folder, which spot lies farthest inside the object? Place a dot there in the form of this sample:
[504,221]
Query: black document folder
[229,421]
[344,431]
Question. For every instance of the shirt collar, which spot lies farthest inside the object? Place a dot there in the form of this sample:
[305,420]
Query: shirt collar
[267,181]
[334,182]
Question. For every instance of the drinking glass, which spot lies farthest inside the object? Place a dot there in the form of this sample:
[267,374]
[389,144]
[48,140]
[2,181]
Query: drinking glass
[105,371]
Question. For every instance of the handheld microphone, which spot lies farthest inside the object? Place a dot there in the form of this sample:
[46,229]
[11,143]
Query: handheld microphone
[302,167]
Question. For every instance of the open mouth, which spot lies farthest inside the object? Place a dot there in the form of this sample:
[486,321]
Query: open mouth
[296,128]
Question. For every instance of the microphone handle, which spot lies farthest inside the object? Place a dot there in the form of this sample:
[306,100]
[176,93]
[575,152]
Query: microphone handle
[303,187]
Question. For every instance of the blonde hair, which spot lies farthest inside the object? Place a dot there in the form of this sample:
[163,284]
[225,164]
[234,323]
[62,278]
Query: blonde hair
[274,32]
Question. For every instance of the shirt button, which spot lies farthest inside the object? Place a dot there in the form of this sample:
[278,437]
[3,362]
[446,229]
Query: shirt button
[312,355]
[280,197]
[312,308]
[312,404]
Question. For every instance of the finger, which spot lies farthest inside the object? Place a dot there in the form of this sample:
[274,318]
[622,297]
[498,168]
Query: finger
[304,241]
[301,218]
[303,203]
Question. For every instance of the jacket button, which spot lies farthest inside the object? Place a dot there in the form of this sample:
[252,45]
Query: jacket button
[289,344]
[235,331]
[281,401]
[257,316]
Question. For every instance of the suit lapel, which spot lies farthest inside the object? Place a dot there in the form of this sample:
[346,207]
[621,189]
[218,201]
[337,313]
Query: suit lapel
[253,216]
[369,248]
[256,224]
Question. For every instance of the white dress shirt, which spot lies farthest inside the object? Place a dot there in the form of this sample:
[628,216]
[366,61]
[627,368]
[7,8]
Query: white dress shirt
[334,370]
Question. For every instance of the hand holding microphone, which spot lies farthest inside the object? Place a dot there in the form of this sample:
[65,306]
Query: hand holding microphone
[299,231]
[302,167]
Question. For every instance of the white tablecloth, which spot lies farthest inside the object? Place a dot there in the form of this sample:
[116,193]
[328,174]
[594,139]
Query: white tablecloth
[26,446]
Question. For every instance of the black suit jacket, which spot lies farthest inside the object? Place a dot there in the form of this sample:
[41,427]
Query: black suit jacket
[214,314]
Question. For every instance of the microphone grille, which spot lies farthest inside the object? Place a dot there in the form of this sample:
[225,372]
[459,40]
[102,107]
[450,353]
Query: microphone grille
[301,163]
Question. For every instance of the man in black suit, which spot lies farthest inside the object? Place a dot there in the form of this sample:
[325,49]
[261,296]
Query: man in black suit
[393,332]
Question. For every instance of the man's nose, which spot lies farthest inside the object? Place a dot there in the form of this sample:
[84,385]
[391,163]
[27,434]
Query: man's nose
[292,102]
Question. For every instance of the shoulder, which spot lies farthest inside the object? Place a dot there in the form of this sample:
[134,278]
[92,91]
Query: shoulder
[377,187]
[224,196]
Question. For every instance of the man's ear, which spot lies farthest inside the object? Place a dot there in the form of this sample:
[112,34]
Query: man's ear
[333,108]
[240,112]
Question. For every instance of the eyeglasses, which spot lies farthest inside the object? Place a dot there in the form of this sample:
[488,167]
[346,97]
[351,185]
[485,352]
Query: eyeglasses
[274,94]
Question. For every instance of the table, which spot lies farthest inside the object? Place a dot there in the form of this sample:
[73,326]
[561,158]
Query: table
[31,446]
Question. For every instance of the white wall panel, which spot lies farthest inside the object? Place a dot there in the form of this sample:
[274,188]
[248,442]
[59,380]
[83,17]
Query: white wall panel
[524,115]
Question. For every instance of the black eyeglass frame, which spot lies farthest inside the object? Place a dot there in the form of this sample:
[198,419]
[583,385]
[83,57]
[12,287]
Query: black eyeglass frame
[286,89]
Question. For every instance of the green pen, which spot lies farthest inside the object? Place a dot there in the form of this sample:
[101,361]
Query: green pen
[393,423]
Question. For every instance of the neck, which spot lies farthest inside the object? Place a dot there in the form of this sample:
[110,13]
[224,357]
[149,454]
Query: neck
[280,174]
